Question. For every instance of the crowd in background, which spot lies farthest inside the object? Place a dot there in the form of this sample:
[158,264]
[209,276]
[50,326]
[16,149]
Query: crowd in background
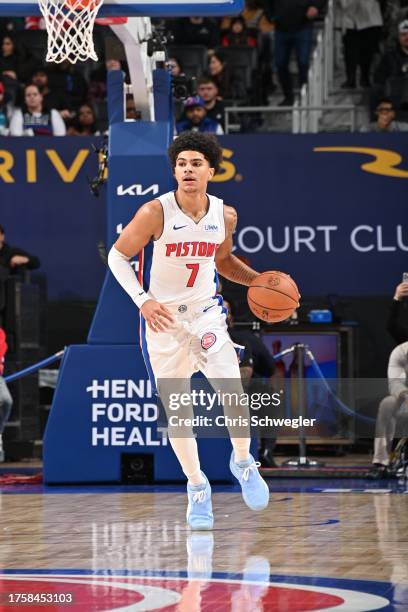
[48,99]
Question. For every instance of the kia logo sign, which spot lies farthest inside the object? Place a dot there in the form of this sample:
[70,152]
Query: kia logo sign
[137,190]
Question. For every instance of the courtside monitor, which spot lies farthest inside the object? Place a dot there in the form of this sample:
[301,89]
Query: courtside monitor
[140,8]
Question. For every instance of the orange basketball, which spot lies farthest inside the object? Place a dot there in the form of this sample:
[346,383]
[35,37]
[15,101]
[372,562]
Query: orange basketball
[80,5]
[273,296]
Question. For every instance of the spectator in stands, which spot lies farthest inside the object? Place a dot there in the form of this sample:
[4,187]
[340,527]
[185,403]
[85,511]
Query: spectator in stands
[85,123]
[6,401]
[397,324]
[66,78]
[392,405]
[361,22]
[12,258]
[260,26]
[132,114]
[293,30]
[196,118]
[385,122]
[237,35]
[255,18]
[230,85]
[207,89]
[51,98]
[10,61]
[394,12]
[34,119]
[179,80]
[197,31]
[5,111]
[393,63]
[10,67]
[175,67]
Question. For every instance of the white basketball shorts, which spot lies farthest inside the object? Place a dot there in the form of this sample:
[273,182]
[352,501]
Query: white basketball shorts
[165,357]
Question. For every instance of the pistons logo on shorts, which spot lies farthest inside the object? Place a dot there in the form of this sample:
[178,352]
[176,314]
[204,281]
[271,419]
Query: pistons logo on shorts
[208,340]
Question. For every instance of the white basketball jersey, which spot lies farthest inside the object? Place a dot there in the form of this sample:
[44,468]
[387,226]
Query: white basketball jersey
[183,267]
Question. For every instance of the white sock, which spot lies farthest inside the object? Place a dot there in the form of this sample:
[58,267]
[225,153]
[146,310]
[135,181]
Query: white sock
[241,449]
[187,453]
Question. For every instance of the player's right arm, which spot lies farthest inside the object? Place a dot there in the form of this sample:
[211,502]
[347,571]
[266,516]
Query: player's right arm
[147,224]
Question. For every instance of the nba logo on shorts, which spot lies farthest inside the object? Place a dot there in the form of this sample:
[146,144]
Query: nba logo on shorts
[208,340]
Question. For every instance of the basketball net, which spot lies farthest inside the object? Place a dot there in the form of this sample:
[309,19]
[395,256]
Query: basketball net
[70,26]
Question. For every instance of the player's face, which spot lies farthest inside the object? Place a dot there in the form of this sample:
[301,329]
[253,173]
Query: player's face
[192,172]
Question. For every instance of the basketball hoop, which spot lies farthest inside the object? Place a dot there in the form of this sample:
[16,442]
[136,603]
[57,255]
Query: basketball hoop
[70,26]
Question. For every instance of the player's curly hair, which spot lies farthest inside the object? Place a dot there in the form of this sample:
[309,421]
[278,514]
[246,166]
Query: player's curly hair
[204,143]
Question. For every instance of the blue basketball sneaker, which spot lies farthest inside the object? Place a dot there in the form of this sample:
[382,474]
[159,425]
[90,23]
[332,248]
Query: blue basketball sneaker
[200,547]
[255,491]
[199,509]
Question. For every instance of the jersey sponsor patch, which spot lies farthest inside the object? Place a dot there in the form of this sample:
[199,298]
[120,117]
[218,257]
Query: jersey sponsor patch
[208,340]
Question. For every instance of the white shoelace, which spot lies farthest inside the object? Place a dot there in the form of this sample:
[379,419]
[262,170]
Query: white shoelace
[254,466]
[199,496]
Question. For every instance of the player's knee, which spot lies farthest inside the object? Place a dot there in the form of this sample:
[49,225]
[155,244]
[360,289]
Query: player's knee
[387,406]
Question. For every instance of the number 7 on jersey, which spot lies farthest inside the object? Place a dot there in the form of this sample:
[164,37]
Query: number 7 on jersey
[194,271]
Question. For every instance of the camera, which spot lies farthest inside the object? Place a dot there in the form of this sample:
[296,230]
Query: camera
[183,87]
[158,40]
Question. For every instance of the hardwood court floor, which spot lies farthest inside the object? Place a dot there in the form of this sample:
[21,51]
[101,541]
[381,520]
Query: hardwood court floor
[312,549]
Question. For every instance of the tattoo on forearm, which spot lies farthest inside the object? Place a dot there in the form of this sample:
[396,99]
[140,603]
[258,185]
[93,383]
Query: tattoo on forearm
[238,272]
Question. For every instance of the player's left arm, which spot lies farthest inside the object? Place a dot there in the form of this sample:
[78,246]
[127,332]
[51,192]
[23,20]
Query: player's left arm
[227,264]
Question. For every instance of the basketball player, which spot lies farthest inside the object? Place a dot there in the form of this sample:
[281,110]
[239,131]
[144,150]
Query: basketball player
[183,319]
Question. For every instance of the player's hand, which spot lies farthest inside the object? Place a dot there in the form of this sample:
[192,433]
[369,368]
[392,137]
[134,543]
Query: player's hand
[18,260]
[293,281]
[157,316]
[401,291]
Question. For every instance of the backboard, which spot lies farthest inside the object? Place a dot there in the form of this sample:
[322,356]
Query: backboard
[140,8]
